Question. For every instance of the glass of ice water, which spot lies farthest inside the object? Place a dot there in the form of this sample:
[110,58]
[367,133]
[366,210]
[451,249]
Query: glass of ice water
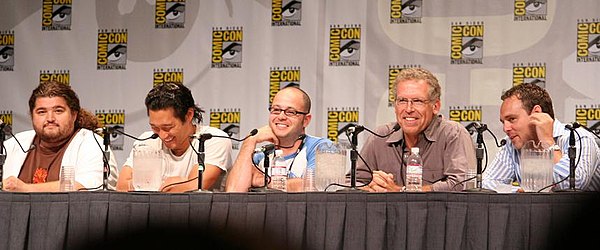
[536,167]
[147,169]
[330,166]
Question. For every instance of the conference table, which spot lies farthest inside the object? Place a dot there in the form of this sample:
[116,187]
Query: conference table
[315,220]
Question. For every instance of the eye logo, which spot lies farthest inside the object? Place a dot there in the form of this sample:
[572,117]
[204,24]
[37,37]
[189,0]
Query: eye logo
[280,78]
[169,14]
[532,10]
[338,121]
[466,43]
[56,14]
[531,73]
[286,12]
[344,45]
[112,49]
[7,50]
[167,75]
[406,11]
[585,115]
[227,48]
[227,120]
[588,41]
[61,76]
[114,119]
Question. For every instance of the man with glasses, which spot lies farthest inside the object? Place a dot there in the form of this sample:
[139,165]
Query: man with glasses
[174,117]
[445,146]
[288,119]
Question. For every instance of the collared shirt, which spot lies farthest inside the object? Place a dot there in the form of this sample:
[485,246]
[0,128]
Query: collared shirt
[445,147]
[506,166]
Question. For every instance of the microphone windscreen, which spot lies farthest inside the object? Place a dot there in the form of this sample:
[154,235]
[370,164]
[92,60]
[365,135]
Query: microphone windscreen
[253,132]
[154,136]
[502,142]
[396,127]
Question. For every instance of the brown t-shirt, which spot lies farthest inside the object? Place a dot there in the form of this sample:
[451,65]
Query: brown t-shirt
[43,163]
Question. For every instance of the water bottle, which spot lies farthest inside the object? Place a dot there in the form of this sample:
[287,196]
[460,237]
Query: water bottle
[414,171]
[279,172]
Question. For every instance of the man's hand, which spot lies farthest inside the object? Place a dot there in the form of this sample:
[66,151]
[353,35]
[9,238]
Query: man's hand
[382,182]
[14,184]
[543,124]
[266,134]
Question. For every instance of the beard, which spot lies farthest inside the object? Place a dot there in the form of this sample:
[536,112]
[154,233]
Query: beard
[55,134]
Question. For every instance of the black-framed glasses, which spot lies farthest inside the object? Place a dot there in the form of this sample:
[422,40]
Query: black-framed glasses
[419,103]
[288,112]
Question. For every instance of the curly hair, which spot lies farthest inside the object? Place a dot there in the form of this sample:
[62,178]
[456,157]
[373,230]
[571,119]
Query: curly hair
[85,119]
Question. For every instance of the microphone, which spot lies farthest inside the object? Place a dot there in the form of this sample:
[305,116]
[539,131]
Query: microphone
[265,149]
[4,127]
[112,130]
[206,136]
[572,126]
[482,127]
[353,128]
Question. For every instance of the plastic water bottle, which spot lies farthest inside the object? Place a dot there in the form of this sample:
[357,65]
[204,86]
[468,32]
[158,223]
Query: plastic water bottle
[414,171]
[279,172]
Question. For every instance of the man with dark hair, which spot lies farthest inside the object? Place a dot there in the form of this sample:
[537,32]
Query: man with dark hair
[289,117]
[527,115]
[174,117]
[62,135]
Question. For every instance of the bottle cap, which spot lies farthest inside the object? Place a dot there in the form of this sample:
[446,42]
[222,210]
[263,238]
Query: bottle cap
[414,150]
[278,152]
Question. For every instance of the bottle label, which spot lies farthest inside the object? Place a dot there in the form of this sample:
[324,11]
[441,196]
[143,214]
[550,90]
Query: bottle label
[414,169]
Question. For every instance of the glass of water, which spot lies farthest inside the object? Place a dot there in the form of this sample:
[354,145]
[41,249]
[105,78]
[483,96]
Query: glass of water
[148,169]
[330,166]
[536,167]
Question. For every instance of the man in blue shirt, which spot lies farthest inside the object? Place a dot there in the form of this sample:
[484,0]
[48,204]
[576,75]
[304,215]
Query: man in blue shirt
[527,114]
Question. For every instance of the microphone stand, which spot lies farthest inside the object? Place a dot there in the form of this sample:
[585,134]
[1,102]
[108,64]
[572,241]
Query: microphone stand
[479,155]
[572,151]
[2,156]
[200,153]
[106,140]
[353,157]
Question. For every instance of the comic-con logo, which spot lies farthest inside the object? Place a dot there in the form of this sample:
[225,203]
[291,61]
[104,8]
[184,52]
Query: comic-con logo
[227,47]
[529,73]
[393,71]
[466,43]
[344,45]
[169,14]
[61,76]
[167,75]
[227,120]
[7,50]
[466,115]
[112,49]
[338,122]
[56,14]
[530,10]
[408,11]
[280,78]
[114,120]
[286,12]
[588,116]
[588,41]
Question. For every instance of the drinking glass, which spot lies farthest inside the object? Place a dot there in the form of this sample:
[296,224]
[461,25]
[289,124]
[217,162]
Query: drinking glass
[148,169]
[536,167]
[330,166]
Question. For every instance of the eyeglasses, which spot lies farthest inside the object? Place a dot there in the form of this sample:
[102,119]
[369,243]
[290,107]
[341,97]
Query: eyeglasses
[288,112]
[418,103]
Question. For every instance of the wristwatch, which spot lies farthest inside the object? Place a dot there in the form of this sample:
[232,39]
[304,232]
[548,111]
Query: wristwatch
[554,147]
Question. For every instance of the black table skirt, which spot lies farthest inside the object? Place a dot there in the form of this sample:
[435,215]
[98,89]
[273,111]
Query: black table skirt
[296,220]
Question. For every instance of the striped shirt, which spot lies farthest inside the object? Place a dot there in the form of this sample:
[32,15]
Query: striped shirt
[505,168]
